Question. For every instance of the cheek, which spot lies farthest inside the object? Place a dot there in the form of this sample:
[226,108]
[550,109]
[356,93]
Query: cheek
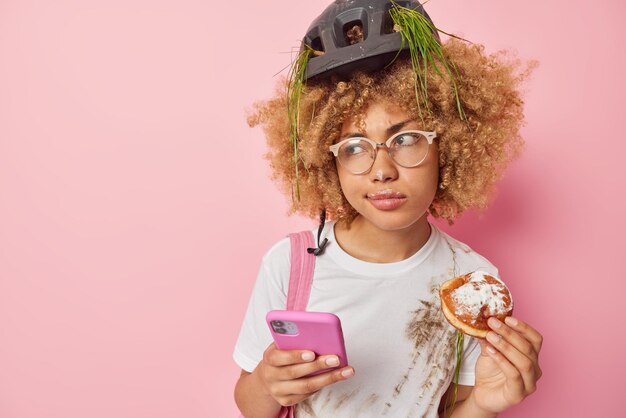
[425,182]
[433,185]
[422,185]
[433,176]
[344,180]
[434,170]
[350,184]
[433,164]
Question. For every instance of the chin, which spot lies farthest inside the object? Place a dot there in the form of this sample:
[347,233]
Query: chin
[389,221]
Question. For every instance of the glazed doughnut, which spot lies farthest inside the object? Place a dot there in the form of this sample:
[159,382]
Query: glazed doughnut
[468,301]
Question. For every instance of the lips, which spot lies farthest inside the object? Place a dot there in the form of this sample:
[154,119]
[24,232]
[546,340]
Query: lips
[385,194]
[386,199]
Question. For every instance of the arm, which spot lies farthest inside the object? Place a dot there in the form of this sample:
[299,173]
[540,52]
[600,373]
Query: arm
[252,399]
[464,405]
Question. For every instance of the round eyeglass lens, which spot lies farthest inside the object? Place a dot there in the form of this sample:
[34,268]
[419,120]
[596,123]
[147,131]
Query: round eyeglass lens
[409,149]
[356,155]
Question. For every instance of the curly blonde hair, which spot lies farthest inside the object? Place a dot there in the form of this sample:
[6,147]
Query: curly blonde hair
[472,153]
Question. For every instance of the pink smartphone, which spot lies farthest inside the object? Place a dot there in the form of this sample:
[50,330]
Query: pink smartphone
[319,332]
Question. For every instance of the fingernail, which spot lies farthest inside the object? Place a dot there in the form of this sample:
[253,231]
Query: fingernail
[510,321]
[491,349]
[332,361]
[308,356]
[494,323]
[347,373]
[492,337]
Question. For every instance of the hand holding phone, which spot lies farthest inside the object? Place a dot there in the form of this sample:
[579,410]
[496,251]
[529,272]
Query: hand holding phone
[319,332]
[289,374]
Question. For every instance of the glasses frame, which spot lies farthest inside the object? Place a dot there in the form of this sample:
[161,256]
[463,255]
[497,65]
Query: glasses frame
[429,135]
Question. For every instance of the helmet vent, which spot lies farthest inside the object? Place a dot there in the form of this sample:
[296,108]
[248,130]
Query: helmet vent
[353,32]
[316,44]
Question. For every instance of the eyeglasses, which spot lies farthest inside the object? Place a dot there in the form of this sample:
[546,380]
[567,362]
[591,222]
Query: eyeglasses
[407,149]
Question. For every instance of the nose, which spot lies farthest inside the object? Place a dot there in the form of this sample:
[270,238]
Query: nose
[383,164]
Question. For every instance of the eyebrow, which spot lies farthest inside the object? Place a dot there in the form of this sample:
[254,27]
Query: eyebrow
[390,131]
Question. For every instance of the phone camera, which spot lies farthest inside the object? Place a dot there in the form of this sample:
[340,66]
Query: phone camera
[278,323]
[281,330]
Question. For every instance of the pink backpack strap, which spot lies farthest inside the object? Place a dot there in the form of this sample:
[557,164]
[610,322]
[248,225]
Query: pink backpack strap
[286,412]
[300,279]
[302,267]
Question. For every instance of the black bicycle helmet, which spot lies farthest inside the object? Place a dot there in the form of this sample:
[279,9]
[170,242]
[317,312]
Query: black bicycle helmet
[337,51]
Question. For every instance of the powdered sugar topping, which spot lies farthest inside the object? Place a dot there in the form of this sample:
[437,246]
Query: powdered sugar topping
[477,296]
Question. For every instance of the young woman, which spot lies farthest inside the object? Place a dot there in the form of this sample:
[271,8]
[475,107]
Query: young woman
[377,159]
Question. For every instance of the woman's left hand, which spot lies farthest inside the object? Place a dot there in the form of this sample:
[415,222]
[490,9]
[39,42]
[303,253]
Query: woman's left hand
[508,367]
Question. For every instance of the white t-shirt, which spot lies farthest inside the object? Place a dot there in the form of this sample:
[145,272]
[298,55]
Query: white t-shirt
[397,340]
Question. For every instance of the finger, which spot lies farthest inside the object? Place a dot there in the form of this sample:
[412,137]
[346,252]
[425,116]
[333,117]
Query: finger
[309,385]
[525,367]
[296,371]
[514,338]
[520,340]
[514,378]
[531,334]
[293,391]
[277,358]
[483,347]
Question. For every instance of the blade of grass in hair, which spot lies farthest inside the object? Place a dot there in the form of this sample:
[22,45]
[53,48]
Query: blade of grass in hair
[454,36]
[288,65]
[454,84]
[313,52]
[407,28]
[416,30]
[415,51]
[422,31]
[294,92]
[456,92]
[419,33]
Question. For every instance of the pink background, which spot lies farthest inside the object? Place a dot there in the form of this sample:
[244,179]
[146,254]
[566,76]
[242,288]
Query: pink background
[131,228]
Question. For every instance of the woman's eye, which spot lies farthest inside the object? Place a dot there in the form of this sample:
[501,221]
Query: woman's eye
[354,148]
[407,139]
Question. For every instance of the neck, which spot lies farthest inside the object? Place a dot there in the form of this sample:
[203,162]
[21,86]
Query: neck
[367,242]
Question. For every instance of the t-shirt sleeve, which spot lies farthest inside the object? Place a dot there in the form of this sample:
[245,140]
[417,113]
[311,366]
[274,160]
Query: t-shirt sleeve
[269,293]
[471,352]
